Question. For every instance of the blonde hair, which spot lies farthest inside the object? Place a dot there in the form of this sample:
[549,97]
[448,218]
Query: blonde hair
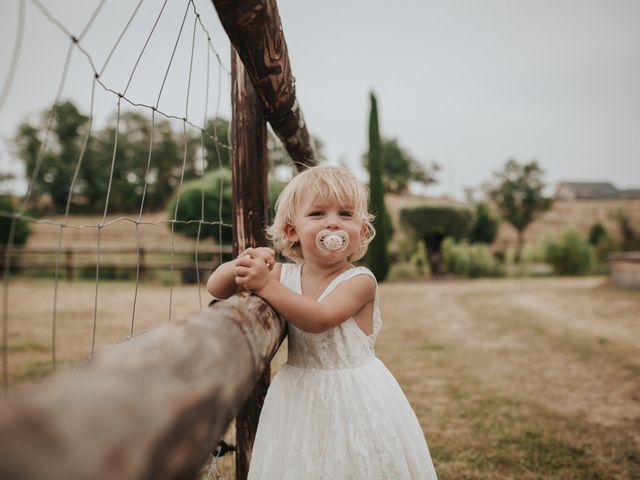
[325,183]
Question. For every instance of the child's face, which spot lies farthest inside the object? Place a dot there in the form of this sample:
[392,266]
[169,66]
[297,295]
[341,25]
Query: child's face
[314,215]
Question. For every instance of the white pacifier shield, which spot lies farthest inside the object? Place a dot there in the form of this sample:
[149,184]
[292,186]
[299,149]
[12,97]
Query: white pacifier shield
[332,240]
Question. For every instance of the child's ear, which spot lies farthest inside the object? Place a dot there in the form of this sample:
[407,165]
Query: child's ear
[290,232]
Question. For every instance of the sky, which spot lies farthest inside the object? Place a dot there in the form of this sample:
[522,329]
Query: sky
[468,84]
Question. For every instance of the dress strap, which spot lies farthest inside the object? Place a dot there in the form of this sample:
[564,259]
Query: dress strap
[289,276]
[346,275]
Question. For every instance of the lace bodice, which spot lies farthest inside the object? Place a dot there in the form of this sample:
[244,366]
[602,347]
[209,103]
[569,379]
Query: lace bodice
[344,346]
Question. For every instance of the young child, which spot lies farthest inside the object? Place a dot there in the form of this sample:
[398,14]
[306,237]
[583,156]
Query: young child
[333,411]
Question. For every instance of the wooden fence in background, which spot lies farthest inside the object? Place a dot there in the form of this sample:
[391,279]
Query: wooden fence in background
[144,259]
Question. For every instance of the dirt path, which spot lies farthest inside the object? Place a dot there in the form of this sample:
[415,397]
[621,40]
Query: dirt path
[557,343]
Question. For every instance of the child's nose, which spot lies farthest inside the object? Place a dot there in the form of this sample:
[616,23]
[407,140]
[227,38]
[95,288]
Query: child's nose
[332,221]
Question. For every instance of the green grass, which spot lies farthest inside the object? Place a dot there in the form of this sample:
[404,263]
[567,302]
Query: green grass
[32,371]
[27,346]
[510,439]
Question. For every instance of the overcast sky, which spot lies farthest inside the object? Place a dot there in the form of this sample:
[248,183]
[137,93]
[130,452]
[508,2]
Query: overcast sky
[467,83]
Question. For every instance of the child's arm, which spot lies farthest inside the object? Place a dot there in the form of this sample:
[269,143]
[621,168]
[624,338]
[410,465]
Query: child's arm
[222,284]
[304,312]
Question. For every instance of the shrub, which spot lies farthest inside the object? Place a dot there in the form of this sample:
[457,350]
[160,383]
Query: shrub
[597,232]
[601,241]
[485,225]
[482,262]
[571,254]
[217,196]
[467,260]
[419,259]
[630,237]
[455,257]
[7,210]
[432,224]
[403,271]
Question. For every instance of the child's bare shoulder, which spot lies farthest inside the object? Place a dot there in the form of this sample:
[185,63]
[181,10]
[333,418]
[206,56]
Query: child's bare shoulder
[362,284]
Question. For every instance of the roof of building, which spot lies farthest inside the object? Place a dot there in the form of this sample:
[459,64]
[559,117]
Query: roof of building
[593,190]
[629,193]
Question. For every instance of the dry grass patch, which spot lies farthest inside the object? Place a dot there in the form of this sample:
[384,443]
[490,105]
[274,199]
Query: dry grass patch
[507,391]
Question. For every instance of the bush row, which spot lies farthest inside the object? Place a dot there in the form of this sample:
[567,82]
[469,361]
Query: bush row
[569,254]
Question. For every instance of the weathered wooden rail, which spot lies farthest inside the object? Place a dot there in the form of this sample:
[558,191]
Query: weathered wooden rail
[255,31]
[149,408]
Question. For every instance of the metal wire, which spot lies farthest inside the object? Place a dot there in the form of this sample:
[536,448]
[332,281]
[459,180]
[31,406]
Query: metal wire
[76,43]
[15,56]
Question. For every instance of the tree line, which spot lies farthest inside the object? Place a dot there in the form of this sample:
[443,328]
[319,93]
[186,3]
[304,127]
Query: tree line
[139,151]
[134,159]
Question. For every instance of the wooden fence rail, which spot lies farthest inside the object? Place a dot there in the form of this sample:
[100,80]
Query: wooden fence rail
[149,408]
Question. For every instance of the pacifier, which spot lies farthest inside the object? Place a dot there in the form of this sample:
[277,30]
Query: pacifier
[332,240]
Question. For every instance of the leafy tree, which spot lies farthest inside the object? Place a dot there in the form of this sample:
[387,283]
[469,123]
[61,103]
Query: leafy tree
[399,168]
[131,158]
[68,127]
[485,225]
[432,224]
[64,144]
[377,257]
[5,178]
[519,197]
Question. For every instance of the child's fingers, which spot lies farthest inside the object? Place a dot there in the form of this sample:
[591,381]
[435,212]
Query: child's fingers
[242,271]
[267,255]
[263,252]
[244,262]
[269,260]
[247,261]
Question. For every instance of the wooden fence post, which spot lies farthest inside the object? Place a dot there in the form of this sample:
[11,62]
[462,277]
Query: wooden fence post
[142,266]
[69,264]
[250,212]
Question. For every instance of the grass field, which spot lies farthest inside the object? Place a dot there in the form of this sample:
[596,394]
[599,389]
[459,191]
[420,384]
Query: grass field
[510,378]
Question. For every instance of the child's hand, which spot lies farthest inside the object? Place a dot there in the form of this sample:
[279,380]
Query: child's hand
[265,253]
[253,266]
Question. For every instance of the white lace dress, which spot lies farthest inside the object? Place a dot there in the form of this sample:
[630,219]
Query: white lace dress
[334,411]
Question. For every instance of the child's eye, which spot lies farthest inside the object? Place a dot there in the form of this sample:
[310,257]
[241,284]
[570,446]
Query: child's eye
[315,213]
[346,213]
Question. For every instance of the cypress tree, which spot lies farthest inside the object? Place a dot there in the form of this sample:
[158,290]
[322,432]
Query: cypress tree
[377,258]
